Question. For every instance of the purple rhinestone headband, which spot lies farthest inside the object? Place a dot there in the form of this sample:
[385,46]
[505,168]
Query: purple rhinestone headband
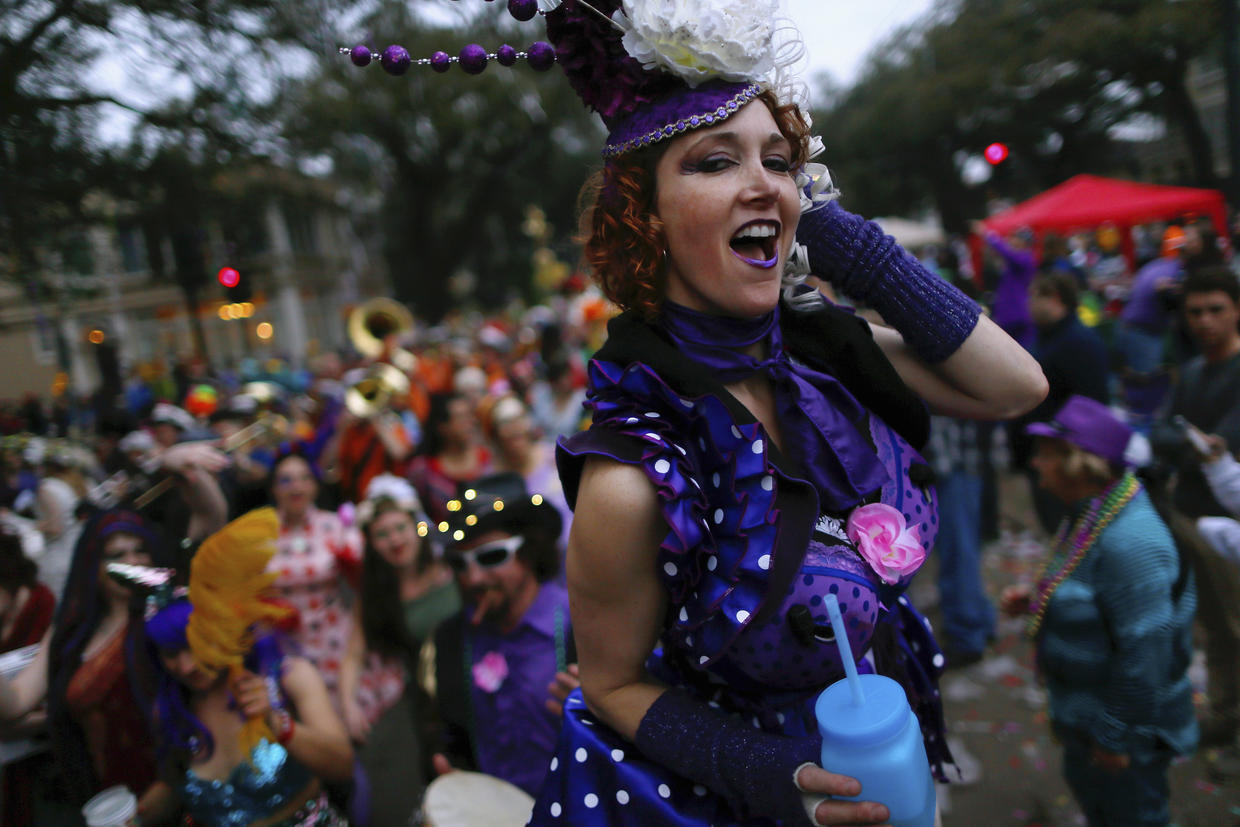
[677,114]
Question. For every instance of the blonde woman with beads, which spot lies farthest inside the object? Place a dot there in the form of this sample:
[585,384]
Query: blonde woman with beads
[1111,619]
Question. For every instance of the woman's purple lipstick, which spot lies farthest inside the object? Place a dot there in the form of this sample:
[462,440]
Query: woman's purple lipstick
[764,263]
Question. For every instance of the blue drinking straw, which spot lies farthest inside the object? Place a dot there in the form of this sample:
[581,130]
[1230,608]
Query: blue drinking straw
[841,640]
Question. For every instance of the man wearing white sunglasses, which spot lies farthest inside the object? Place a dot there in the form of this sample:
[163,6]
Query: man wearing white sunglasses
[506,662]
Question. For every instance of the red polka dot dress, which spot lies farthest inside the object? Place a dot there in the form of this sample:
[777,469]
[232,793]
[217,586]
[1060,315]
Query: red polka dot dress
[315,561]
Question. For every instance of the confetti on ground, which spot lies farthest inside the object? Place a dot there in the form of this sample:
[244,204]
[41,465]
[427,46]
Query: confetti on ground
[974,725]
[994,668]
[1014,762]
[961,689]
[1206,786]
[1020,815]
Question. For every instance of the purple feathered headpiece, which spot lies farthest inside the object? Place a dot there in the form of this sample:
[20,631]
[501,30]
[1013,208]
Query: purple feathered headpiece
[588,48]
[653,70]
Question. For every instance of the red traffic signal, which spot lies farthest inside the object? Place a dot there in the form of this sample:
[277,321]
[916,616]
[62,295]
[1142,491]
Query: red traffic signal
[996,153]
[229,277]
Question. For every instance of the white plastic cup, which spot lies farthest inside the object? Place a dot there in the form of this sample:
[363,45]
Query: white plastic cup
[111,808]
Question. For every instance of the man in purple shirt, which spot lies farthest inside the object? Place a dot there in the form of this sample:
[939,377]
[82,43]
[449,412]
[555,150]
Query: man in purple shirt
[1147,315]
[1010,305]
[505,663]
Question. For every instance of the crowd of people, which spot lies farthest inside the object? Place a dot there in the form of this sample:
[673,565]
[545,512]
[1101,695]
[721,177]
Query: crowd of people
[596,572]
[424,631]
[369,581]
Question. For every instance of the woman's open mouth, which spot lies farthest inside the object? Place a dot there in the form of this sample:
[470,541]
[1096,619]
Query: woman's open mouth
[757,243]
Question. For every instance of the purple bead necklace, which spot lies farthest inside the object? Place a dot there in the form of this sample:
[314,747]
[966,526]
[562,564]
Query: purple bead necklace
[1073,542]
[473,59]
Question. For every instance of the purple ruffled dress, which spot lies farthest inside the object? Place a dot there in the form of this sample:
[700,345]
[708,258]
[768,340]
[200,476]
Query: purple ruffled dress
[748,557]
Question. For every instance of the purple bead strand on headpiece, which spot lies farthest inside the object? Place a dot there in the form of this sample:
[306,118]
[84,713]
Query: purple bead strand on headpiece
[523,9]
[473,59]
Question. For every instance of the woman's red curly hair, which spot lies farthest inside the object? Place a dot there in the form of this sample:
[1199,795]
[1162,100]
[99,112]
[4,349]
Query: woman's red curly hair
[624,244]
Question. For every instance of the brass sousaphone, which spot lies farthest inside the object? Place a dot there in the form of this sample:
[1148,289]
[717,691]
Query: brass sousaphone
[372,323]
[369,395]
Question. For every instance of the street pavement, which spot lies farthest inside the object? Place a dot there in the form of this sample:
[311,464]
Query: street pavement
[996,711]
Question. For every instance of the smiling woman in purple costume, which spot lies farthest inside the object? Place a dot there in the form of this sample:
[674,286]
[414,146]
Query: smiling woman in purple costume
[753,447]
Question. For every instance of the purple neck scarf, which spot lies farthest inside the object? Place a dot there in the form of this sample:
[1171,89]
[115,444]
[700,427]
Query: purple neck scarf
[820,418]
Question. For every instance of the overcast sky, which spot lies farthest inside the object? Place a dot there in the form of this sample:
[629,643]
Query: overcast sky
[840,33]
[838,36]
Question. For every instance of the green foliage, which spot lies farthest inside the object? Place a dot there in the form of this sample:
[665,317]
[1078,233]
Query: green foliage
[1052,79]
[453,159]
[59,122]
[221,97]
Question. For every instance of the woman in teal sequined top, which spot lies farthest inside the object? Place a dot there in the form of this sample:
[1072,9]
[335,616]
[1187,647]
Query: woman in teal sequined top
[200,716]
[1112,620]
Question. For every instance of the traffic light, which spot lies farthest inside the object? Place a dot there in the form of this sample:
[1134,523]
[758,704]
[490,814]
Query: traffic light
[237,288]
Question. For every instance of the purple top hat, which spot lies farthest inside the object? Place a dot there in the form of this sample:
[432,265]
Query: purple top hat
[1090,426]
[691,73]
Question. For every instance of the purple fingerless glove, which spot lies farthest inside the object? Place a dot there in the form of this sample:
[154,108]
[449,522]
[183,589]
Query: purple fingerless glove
[752,769]
[866,264]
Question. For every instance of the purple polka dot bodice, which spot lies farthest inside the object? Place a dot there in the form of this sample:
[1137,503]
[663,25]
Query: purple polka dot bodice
[738,524]
[769,655]
[774,654]
[719,487]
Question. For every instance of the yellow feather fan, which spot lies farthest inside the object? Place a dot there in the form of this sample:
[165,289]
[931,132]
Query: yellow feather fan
[227,583]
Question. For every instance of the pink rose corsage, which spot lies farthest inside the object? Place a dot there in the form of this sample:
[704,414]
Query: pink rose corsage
[489,673]
[886,542]
[347,512]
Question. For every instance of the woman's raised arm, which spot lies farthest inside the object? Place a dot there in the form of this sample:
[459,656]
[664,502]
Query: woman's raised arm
[28,688]
[989,377]
[954,357]
[319,738]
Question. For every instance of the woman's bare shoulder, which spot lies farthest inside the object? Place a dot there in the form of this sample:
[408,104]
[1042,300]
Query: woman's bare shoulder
[617,488]
[296,670]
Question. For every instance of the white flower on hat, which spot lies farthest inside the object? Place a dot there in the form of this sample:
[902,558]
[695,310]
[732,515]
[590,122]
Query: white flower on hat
[389,487]
[394,488]
[728,39]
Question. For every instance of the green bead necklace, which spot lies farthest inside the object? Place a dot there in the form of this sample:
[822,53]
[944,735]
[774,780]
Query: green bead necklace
[1083,534]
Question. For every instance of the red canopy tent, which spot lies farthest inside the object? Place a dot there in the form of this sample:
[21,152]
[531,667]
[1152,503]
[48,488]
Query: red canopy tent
[1087,201]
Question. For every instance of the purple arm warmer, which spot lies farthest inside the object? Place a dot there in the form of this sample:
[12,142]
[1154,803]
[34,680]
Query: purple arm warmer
[752,769]
[865,264]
